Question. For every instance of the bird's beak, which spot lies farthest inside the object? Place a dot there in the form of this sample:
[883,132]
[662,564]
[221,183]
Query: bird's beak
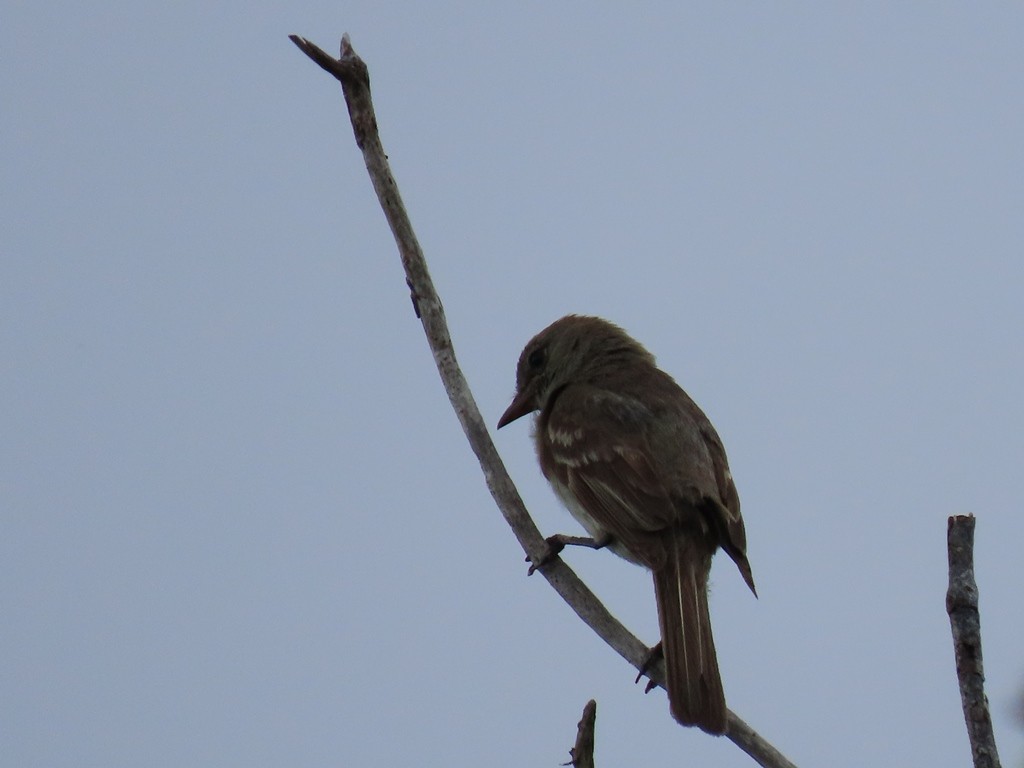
[523,404]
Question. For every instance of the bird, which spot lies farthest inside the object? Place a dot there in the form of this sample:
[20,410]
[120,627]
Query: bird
[641,468]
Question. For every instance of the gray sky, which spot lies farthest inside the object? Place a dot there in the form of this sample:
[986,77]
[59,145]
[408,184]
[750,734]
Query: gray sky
[240,524]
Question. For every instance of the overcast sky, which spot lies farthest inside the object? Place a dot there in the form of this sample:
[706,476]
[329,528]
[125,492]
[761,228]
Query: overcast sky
[239,523]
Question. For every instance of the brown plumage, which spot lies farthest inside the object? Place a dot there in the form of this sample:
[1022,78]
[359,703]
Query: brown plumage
[639,464]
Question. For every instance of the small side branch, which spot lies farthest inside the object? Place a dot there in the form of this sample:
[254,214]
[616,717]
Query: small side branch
[962,607]
[582,753]
[352,73]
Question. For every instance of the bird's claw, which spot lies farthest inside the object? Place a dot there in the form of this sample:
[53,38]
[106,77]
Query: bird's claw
[652,657]
[555,544]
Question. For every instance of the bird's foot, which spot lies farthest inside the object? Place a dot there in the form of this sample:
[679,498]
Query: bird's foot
[560,541]
[653,656]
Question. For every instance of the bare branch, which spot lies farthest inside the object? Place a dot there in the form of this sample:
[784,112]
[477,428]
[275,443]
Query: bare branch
[582,753]
[965,621]
[351,71]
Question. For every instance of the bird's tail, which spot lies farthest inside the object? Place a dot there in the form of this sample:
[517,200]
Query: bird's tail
[691,667]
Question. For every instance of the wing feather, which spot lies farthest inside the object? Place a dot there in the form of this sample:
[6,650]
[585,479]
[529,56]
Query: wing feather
[595,446]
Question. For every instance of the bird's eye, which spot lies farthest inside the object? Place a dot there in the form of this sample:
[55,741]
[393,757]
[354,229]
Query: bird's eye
[536,359]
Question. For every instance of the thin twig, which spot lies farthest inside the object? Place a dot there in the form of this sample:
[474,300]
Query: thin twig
[582,753]
[351,71]
[965,621]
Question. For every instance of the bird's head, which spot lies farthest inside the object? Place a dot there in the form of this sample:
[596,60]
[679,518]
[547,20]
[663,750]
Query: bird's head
[576,349]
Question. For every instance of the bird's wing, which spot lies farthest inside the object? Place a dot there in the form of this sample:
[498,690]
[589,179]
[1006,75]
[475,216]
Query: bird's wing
[728,520]
[596,447]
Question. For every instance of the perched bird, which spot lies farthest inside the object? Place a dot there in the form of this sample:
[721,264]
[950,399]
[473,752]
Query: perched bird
[639,465]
